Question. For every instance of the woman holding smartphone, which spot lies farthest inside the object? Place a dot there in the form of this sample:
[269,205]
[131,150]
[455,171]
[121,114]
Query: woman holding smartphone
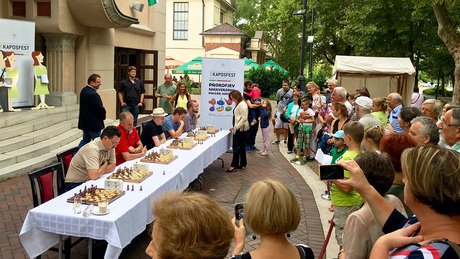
[431,176]
[271,211]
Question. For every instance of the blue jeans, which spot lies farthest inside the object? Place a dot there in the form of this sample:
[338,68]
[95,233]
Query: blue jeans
[134,110]
[88,136]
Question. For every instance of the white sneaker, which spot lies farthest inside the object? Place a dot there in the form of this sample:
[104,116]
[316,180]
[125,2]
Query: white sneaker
[277,141]
[263,153]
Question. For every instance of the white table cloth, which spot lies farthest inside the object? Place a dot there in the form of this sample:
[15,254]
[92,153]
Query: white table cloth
[129,214]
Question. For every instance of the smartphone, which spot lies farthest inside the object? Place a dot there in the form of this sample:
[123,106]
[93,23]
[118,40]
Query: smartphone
[239,207]
[239,214]
[330,172]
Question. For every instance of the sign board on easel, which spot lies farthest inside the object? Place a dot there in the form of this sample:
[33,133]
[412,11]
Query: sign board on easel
[220,76]
[19,37]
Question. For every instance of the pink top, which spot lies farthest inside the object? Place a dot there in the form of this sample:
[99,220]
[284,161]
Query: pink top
[255,93]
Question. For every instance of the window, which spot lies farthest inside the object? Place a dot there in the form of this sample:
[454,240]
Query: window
[221,17]
[44,9]
[180,21]
[19,8]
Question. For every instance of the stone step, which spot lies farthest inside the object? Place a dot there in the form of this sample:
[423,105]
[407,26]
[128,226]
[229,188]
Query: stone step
[14,118]
[36,136]
[35,163]
[34,123]
[14,131]
[43,147]
[51,120]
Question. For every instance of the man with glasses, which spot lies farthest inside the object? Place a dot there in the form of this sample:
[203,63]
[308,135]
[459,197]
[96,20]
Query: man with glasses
[432,108]
[450,127]
[94,159]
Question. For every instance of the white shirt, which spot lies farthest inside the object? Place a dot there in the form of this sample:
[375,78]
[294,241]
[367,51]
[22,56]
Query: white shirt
[309,112]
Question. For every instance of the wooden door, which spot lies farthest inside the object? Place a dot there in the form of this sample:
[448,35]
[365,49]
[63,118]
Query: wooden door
[148,69]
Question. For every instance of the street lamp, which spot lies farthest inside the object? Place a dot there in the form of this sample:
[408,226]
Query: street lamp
[304,24]
[310,40]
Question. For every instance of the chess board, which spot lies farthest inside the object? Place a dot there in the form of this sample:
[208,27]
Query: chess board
[130,175]
[93,195]
[159,162]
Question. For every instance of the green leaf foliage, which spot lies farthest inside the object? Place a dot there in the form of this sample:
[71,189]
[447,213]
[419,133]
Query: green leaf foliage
[269,81]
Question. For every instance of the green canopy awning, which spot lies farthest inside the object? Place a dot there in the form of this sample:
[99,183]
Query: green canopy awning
[272,65]
[193,67]
[248,64]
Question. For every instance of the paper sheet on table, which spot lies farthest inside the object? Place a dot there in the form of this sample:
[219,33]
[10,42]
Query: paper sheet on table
[323,158]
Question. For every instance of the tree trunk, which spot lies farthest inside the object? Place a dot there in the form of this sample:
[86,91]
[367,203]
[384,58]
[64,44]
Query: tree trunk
[450,38]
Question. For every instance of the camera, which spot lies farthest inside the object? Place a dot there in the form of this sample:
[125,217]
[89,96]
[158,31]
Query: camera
[331,172]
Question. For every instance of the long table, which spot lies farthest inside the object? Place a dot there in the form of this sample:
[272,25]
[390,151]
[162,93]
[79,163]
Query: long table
[129,214]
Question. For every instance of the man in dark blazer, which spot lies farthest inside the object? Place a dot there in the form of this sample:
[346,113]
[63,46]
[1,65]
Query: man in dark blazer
[92,112]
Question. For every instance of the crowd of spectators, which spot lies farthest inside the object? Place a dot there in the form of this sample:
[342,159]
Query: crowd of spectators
[399,161]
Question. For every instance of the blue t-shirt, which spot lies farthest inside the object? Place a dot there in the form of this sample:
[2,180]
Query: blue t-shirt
[264,118]
[169,125]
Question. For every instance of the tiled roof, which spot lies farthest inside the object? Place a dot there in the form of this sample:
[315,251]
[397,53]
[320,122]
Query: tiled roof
[225,29]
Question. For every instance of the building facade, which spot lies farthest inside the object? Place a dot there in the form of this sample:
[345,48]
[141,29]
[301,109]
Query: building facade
[82,37]
[186,20]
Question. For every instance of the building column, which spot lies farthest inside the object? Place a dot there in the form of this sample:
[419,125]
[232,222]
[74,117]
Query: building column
[60,62]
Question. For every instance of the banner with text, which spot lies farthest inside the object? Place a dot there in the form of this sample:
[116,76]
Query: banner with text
[220,76]
[18,40]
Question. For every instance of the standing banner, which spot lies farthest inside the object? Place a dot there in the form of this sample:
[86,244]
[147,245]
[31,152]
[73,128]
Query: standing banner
[19,37]
[220,76]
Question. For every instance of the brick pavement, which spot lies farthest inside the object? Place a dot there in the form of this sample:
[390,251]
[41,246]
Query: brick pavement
[227,189]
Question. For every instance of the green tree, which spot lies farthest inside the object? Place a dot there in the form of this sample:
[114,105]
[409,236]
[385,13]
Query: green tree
[449,33]
[269,81]
[282,30]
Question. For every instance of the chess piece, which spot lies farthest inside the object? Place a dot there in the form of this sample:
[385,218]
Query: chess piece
[140,189]
[127,187]
[132,187]
[163,172]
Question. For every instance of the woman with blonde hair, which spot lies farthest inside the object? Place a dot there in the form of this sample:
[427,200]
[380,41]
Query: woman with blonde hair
[272,211]
[189,225]
[432,177]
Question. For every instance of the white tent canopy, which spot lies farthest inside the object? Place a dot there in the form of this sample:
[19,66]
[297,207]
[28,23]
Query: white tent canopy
[380,75]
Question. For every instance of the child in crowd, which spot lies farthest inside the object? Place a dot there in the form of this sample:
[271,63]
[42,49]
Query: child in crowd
[372,137]
[339,146]
[379,108]
[306,118]
[265,115]
[345,199]
[255,95]
[337,152]
[362,229]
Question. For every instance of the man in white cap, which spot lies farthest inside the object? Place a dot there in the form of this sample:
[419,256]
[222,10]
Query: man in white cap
[152,132]
[363,108]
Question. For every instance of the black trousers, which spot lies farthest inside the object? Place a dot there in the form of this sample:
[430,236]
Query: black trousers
[239,150]
[290,141]
[251,134]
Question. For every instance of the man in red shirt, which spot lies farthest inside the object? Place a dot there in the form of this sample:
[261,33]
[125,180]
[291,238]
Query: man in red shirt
[130,146]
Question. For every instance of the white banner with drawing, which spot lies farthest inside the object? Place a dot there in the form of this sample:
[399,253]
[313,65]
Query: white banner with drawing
[220,76]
